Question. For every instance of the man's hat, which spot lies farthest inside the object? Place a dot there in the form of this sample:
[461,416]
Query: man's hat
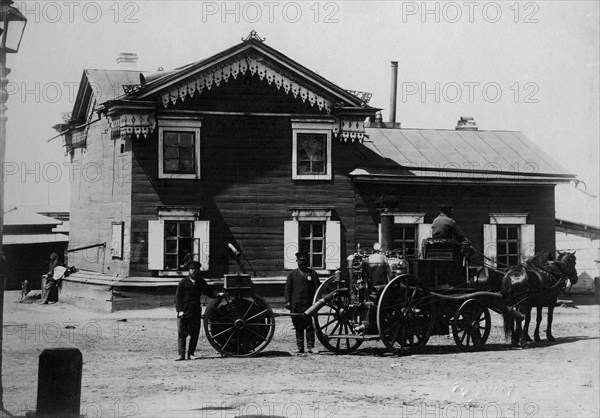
[302,254]
[193,265]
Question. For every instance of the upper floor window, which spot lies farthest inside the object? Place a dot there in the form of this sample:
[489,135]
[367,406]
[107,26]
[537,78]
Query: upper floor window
[311,149]
[179,152]
[179,147]
[312,154]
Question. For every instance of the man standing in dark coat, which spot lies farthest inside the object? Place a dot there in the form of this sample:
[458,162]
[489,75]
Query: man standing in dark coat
[300,288]
[189,309]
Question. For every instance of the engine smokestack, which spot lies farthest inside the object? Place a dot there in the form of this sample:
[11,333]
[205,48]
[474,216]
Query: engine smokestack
[393,91]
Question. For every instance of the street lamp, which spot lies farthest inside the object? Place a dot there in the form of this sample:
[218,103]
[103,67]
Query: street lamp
[12,26]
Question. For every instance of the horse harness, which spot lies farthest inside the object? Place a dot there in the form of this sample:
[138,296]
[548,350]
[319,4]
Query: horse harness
[550,277]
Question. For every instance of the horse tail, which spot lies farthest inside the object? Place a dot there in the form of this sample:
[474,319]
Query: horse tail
[507,317]
[509,324]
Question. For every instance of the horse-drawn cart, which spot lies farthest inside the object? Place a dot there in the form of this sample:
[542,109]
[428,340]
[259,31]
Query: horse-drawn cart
[389,296]
[402,301]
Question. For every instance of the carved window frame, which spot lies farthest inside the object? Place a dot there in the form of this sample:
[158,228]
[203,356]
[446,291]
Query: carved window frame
[174,124]
[312,126]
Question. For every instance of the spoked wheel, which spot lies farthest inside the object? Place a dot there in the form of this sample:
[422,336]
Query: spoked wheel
[332,321]
[471,325]
[239,326]
[405,315]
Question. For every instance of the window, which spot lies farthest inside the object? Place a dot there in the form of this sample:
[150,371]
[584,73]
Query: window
[311,149]
[179,240]
[507,244]
[311,230]
[508,239]
[178,151]
[408,230]
[312,241]
[176,238]
[405,238]
[312,154]
[179,148]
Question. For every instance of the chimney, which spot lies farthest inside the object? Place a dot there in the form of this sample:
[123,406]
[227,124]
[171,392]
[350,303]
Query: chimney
[127,60]
[393,92]
[466,123]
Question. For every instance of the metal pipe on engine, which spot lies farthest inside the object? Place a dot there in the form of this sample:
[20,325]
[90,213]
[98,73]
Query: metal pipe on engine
[322,302]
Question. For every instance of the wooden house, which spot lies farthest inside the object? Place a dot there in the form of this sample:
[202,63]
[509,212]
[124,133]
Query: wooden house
[252,149]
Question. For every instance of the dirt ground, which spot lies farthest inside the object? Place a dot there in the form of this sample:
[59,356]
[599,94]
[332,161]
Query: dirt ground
[129,371]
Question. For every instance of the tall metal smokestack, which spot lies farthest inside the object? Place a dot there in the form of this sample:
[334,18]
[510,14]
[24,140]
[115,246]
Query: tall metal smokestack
[393,91]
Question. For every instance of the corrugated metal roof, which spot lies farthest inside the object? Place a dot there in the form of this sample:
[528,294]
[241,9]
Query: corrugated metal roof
[20,216]
[10,239]
[489,153]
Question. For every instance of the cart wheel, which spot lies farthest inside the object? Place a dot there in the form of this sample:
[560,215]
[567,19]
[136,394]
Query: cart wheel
[471,325]
[332,321]
[405,315]
[239,326]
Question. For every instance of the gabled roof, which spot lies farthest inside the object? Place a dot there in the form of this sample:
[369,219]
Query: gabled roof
[456,154]
[263,53]
[103,86]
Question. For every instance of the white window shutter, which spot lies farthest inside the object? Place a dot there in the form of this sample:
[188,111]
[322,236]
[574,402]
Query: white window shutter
[527,241]
[202,243]
[290,244]
[156,245]
[333,245]
[490,244]
[423,232]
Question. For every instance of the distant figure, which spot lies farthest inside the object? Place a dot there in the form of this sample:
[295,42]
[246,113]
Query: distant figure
[25,289]
[444,227]
[300,288]
[189,309]
[50,284]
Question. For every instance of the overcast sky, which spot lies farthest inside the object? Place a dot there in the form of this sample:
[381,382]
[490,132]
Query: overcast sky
[522,66]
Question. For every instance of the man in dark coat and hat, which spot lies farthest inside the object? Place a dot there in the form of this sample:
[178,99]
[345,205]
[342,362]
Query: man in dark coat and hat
[300,288]
[189,309]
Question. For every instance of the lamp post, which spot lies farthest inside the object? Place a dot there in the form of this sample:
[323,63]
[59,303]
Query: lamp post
[12,26]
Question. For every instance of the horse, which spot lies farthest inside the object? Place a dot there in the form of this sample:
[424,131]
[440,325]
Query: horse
[536,285]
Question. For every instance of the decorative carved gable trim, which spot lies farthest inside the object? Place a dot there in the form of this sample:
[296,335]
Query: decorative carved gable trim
[134,121]
[242,65]
[349,129]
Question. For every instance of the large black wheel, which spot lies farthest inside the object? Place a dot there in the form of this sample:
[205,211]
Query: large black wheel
[239,326]
[471,325]
[405,315]
[332,321]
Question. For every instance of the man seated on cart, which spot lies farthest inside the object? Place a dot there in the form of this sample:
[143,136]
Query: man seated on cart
[444,227]
[446,232]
